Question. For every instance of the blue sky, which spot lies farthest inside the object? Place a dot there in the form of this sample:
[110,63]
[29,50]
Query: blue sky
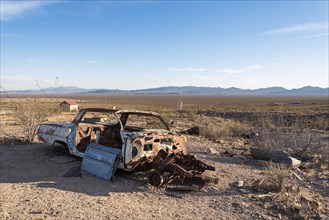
[146,44]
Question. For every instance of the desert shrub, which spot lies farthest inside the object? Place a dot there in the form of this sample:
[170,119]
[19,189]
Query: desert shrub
[278,133]
[318,123]
[191,114]
[297,138]
[274,180]
[214,128]
[30,113]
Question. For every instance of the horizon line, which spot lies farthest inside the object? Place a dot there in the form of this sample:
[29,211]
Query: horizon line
[213,87]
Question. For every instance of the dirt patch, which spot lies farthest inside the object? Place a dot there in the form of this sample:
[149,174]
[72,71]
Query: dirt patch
[34,186]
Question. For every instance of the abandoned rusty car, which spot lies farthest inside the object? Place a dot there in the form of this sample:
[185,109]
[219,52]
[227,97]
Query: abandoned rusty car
[108,139]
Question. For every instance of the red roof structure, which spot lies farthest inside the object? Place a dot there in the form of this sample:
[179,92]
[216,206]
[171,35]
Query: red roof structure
[70,102]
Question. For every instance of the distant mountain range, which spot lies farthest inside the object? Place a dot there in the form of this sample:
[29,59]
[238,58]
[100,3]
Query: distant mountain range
[307,90]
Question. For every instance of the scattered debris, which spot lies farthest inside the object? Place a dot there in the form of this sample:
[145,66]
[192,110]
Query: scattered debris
[244,191]
[213,151]
[176,167]
[284,193]
[228,153]
[293,201]
[210,179]
[295,174]
[240,183]
[193,131]
[275,156]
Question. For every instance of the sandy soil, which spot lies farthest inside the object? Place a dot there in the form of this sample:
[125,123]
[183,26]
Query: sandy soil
[32,186]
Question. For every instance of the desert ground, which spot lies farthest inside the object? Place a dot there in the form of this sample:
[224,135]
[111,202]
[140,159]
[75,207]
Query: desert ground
[33,184]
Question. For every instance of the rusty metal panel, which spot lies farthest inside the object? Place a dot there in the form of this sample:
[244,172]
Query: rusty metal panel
[50,133]
[101,161]
[144,147]
[55,129]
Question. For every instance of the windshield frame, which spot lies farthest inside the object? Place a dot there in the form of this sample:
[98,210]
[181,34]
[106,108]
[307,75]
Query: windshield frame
[124,117]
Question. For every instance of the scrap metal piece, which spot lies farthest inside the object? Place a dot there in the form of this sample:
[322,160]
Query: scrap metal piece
[176,167]
[275,156]
[156,178]
[101,161]
[189,162]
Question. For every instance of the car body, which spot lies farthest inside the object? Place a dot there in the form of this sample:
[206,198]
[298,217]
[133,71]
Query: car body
[139,135]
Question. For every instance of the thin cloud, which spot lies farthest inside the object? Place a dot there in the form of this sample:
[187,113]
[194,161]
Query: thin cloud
[187,69]
[12,9]
[299,28]
[244,69]
[315,35]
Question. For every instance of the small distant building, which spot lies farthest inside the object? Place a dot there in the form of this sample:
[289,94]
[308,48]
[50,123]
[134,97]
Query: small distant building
[69,106]
[297,102]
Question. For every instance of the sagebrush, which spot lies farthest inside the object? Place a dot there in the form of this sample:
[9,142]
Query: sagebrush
[29,113]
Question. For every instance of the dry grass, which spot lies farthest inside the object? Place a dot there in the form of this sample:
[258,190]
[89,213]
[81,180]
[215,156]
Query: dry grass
[283,133]
[215,128]
[275,178]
